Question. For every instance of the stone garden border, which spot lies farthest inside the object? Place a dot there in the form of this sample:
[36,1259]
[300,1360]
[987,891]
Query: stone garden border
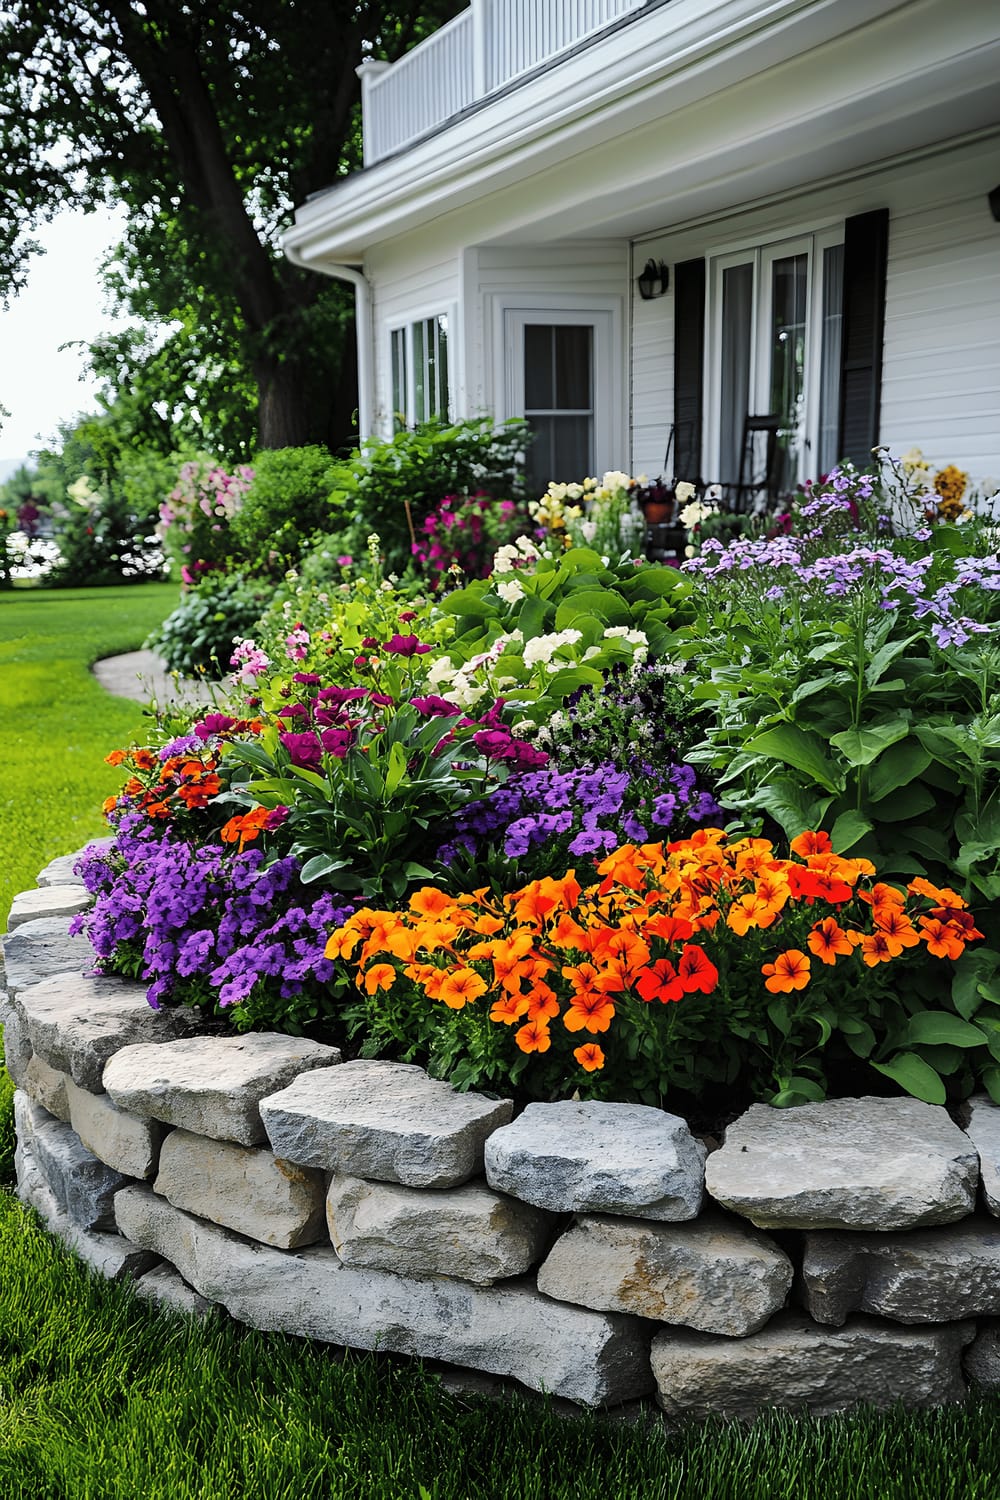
[835,1253]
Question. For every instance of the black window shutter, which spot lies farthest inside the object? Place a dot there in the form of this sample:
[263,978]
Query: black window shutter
[689,367]
[866,243]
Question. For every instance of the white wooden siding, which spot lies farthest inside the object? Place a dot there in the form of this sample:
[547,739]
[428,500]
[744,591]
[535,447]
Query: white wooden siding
[941,364]
[415,280]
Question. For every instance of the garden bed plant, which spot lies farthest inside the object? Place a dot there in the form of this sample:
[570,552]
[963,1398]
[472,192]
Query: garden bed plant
[594,826]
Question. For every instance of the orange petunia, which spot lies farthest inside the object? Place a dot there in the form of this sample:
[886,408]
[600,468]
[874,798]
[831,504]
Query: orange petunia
[108,804]
[813,885]
[941,938]
[895,925]
[749,911]
[460,987]
[144,760]
[429,901]
[380,977]
[589,1056]
[245,827]
[590,1011]
[534,1037]
[883,895]
[115,758]
[790,971]
[827,941]
[876,949]
[940,895]
[543,1003]
[696,971]
[670,929]
[509,1009]
[811,842]
[660,982]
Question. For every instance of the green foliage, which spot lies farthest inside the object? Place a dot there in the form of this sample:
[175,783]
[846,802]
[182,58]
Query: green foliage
[420,467]
[287,503]
[102,541]
[197,637]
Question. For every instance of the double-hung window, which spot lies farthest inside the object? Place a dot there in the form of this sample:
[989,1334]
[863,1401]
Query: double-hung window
[775,330]
[420,371]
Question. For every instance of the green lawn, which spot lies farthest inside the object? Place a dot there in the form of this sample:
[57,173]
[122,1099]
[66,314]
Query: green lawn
[102,1398]
[58,723]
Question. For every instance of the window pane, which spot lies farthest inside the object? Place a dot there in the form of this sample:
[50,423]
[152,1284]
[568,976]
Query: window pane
[829,383]
[788,356]
[539,367]
[562,450]
[572,367]
[419,371]
[441,345]
[399,378]
[737,305]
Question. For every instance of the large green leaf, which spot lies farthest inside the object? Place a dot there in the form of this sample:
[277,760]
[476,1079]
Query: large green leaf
[601,604]
[862,746]
[915,1076]
[936,1028]
[799,748]
[902,763]
[849,828]
[904,803]
[792,805]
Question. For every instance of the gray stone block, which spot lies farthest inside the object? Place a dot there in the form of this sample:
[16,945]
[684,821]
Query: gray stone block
[709,1274]
[983,1131]
[212,1085]
[16,1042]
[76,1023]
[168,1289]
[37,950]
[121,1140]
[591,1358]
[54,901]
[243,1188]
[59,871]
[982,1357]
[108,1255]
[383,1120]
[845,1164]
[47,1086]
[798,1364]
[921,1276]
[469,1231]
[579,1157]
[82,1186]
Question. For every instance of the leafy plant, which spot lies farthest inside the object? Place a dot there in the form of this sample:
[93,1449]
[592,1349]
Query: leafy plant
[199,635]
[286,504]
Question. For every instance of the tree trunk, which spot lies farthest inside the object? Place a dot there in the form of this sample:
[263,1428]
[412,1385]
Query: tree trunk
[284,411]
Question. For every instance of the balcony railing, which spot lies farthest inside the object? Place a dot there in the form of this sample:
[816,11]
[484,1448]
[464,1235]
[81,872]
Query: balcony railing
[480,51]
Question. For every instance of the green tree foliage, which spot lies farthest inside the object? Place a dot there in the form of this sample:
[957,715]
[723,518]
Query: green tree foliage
[209,120]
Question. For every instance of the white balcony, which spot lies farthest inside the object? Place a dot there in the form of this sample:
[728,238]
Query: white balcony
[481,51]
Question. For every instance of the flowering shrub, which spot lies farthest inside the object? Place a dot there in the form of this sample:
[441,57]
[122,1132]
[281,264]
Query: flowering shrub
[209,924]
[199,636]
[464,531]
[195,517]
[690,965]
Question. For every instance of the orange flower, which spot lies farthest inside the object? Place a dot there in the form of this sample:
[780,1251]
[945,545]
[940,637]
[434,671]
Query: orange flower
[144,760]
[811,843]
[543,1004]
[108,804]
[660,982]
[940,895]
[941,938]
[883,895]
[589,1056]
[827,940]
[876,949]
[790,971]
[696,971]
[670,929]
[810,885]
[245,827]
[429,901]
[460,987]
[750,911]
[379,977]
[115,758]
[895,925]
[509,1009]
[591,1011]
[534,1037]
[773,889]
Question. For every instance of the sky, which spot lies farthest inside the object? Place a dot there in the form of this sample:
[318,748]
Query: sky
[40,385]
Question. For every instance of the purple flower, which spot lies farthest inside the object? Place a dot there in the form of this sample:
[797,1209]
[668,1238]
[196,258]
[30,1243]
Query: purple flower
[304,750]
[405,645]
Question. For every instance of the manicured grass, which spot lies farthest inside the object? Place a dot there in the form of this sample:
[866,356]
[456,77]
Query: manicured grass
[58,723]
[102,1398]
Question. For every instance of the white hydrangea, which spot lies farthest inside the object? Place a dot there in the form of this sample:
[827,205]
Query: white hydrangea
[544,647]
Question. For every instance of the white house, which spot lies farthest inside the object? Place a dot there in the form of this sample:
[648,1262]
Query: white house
[815,182]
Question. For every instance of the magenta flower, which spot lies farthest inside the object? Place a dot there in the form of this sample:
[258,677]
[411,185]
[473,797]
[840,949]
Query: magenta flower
[304,750]
[213,724]
[406,645]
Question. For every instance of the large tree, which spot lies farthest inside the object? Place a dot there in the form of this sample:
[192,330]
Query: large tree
[209,121]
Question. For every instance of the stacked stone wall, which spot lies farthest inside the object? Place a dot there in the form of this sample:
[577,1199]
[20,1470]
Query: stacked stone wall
[821,1256]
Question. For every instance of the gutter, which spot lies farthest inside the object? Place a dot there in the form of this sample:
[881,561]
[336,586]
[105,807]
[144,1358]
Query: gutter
[362,325]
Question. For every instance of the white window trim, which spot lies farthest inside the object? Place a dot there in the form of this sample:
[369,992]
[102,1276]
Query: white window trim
[406,327]
[761,255]
[605,316]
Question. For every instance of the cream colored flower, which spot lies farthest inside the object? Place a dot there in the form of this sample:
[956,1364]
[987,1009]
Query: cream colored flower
[510,592]
[683,491]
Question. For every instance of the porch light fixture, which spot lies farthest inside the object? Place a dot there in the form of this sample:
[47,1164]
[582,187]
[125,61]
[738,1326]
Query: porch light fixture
[653,280]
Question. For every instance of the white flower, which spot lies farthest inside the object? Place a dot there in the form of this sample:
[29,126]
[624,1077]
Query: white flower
[526,547]
[591,652]
[543,647]
[614,480]
[683,491]
[696,511]
[574,491]
[523,727]
[441,672]
[511,592]
[505,558]
[588,530]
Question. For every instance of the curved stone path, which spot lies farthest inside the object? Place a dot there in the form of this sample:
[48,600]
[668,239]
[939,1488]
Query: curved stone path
[144,676]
